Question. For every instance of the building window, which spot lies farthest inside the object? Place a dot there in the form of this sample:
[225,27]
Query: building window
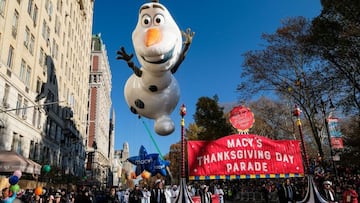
[31,152]
[27,37]
[38,85]
[42,57]
[27,76]
[2,7]
[10,57]
[49,9]
[18,105]
[45,31]
[34,116]
[31,44]
[25,73]
[39,118]
[16,143]
[24,109]
[35,14]
[15,24]
[30,6]
[22,70]
[6,96]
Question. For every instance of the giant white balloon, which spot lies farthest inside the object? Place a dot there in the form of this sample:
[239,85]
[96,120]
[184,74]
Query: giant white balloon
[152,91]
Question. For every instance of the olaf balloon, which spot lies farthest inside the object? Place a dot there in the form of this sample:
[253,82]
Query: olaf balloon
[152,91]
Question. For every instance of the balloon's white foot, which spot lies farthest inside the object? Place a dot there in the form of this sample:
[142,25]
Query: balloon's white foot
[164,125]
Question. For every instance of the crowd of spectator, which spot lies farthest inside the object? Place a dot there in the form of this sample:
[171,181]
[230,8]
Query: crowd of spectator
[340,184]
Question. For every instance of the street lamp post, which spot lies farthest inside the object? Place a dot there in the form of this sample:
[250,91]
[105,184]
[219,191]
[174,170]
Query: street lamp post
[323,109]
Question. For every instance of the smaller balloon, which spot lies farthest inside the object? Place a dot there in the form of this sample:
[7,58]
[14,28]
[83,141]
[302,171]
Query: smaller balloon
[47,168]
[13,180]
[133,175]
[145,175]
[38,191]
[14,188]
[18,173]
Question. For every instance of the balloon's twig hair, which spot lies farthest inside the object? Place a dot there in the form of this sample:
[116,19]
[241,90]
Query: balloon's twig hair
[157,1]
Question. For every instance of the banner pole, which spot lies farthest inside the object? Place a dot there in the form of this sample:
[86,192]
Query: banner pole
[184,196]
[182,114]
[297,113]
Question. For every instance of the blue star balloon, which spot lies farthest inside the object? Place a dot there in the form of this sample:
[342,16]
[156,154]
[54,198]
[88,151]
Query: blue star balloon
[159,166]
[143,161]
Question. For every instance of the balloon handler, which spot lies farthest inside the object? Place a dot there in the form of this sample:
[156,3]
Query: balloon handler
[152,91]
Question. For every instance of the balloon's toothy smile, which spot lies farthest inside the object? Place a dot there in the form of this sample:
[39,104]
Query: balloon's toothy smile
[160,58]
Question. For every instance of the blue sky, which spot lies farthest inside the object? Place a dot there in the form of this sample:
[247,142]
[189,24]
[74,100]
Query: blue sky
[224,30]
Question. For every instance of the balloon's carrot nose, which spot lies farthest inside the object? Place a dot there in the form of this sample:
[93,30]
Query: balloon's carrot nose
[153,36]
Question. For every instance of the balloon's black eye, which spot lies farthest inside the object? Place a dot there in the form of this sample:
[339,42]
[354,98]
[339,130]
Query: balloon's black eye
[159,19]
[146,21]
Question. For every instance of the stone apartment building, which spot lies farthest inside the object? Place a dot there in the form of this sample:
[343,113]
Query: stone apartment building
[48,112]
[101,120]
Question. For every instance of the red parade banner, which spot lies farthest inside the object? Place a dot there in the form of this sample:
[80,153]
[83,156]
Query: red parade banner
[250,154]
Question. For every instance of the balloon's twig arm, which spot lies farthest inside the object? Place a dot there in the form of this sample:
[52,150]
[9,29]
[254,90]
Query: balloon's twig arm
[188,40]
[122,55]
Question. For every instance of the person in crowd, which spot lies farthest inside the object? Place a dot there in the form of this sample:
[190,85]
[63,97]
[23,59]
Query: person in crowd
[158,192]
[50,199]
[72,196]
[205,196]
[120,193]
[37,199]
[327,192]
[287,192]
[64,197]
[350,195]
[167,193]
[219,191]
[146,195]
[265,188]
[135,195]
[319,172]
[192,190]
[273,193]
[81,197]
[174,193]
[200,191]
[126,196]
[57,198]
[112,196]
[7,195]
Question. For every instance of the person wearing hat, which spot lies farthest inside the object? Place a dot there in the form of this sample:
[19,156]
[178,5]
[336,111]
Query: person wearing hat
[327,192]
[57,197]
[205,195]
[146,194]
[158,192]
